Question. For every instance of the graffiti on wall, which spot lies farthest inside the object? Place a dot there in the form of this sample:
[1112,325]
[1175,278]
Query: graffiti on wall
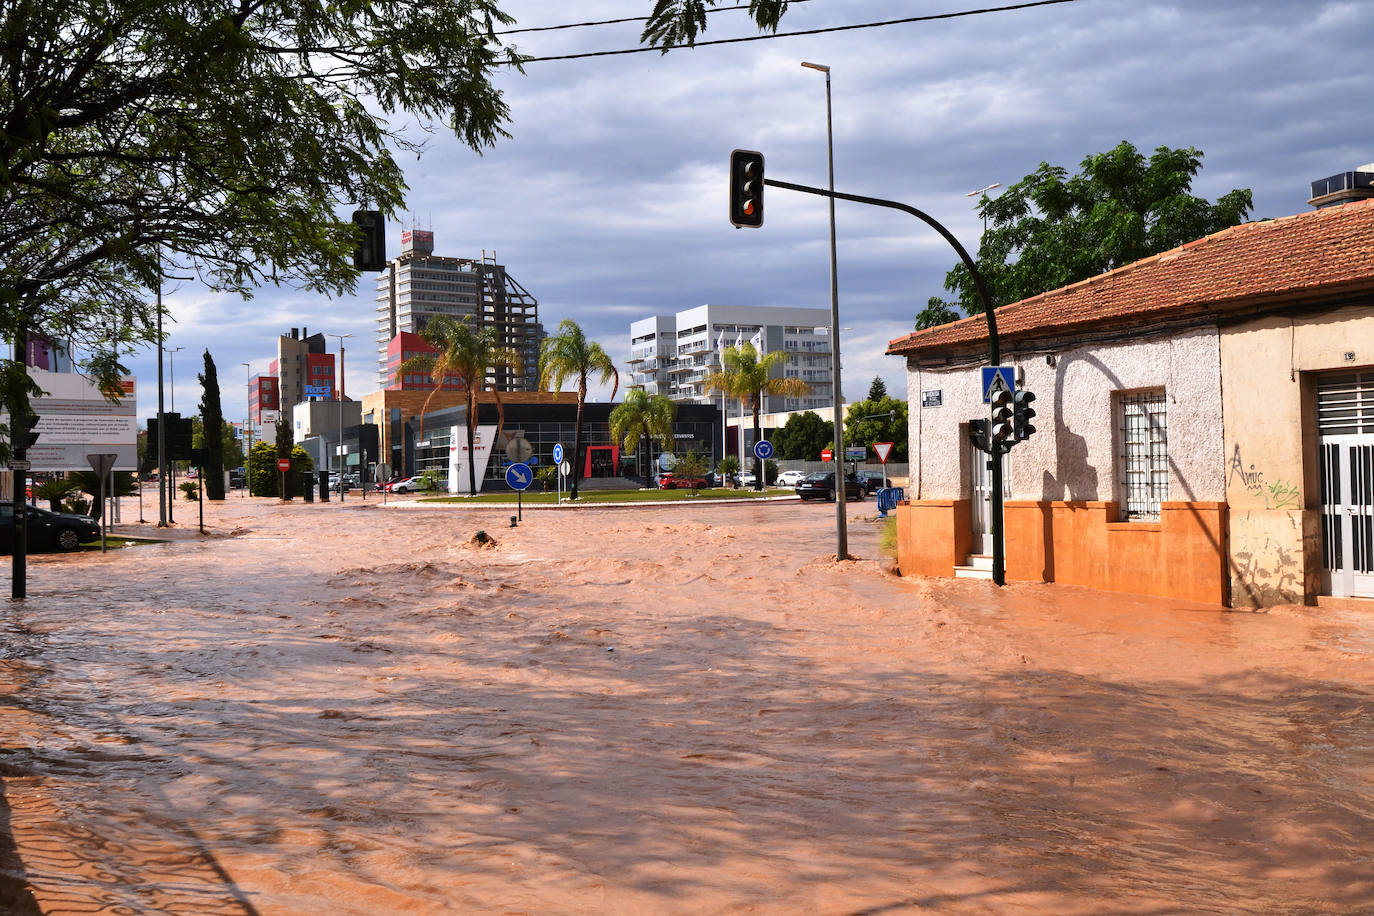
[1277,494]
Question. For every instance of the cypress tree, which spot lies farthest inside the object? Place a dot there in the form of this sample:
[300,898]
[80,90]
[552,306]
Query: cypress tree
[212,427]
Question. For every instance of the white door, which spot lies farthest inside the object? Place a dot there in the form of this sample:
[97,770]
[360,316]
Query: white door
[980,476]
[1345,422]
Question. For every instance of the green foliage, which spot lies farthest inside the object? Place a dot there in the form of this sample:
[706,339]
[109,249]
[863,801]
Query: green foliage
[866,432]
[430,478]
[803,436]
[87,482]
[212,431]
[77,505]
[1049,230]
[54,490]
[302,474]
[643,418]
[678,22]
[262,469]
[878,389]
[145,138]
[569,354]
[190,489]
[887,538]
[545,474]
[692,464]
[729,465]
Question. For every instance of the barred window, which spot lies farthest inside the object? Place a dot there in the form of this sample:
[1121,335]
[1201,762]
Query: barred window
[1144,453]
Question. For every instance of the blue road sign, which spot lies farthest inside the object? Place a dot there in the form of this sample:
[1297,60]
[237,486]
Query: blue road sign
[763,450]
[519,476]
[534,459]
[997,377]
[558,453]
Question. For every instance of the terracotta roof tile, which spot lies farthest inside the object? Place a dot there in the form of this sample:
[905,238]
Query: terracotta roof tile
[1319,251]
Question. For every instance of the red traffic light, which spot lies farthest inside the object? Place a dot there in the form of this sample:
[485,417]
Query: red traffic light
[746,188]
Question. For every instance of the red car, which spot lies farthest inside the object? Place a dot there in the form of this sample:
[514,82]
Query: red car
[671,481]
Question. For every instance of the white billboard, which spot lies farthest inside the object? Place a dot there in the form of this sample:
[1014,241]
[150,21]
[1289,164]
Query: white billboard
[76,420]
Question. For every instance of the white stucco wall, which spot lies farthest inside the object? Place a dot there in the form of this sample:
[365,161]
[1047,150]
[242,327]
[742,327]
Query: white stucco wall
[1073,455]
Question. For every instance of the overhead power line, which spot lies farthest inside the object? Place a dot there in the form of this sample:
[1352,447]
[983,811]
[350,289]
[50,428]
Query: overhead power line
[833,28]
[579,25]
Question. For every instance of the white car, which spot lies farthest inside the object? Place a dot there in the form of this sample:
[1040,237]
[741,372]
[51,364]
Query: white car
[789,478]
[747,478]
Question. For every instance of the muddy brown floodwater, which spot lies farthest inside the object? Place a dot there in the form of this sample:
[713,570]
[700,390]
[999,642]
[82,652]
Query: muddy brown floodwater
[348,709]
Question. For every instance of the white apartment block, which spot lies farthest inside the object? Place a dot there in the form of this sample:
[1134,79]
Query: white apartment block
[671,355]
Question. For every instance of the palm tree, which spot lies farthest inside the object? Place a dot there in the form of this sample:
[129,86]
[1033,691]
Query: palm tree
[466,353]
[642,418]
[745,375]
[569,354]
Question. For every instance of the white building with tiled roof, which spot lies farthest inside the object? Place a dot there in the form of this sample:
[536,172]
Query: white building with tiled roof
[1205,423]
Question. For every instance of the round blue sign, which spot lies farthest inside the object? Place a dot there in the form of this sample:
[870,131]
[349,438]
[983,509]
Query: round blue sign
[763,449]
[558,453]
[519,476]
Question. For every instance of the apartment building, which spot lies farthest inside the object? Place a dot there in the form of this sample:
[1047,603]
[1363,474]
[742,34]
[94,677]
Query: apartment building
[672,355]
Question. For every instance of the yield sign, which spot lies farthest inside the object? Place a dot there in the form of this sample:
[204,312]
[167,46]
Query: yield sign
[883,449]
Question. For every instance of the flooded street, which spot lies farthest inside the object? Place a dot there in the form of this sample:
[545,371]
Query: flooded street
[349,709]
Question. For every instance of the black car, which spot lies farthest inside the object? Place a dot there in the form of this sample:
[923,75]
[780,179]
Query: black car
[872,481]
[47,530]
[821,485]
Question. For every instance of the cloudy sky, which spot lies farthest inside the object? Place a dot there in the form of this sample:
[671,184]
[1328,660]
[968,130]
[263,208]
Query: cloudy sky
[609,201]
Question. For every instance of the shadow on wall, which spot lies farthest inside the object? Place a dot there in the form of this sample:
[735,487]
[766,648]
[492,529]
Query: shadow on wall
[1074,478]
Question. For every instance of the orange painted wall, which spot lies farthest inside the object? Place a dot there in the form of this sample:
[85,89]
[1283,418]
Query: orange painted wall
[933,536]
[1183,555]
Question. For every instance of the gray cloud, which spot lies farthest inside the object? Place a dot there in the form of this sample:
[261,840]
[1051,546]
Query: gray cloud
[609,201]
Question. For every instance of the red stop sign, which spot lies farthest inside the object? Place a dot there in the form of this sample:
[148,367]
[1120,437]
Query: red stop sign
[827,454]
[283,464]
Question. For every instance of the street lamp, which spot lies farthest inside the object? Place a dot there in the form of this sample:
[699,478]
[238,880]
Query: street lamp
[247,425]
[979,193]
[841,534]
[338,393]
[172,373]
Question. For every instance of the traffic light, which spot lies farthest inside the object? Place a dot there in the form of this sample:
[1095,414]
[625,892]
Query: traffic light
[1022,413]
[746,189]
[371,251]
[978,434]
[1001,428]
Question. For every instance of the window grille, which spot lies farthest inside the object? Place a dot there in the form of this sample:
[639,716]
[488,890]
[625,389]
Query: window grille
[1144,453]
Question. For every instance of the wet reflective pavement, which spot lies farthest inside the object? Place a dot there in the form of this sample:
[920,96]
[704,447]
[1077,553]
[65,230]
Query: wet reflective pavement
[355,710]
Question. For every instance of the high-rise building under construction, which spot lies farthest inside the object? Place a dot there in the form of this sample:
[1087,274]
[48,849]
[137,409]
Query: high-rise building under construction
[419,285]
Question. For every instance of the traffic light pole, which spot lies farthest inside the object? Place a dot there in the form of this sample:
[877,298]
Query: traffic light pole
[999,561]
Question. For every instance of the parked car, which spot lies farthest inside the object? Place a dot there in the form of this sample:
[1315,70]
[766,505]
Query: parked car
[47,530]
[872,481]
[789,478]
[821,485]
[670,481]
[410,485]
[747,478]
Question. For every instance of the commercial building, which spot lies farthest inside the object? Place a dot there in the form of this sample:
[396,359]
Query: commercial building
[264,401]
[419,285]
[1205,425]
[303,369]
[547,420]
